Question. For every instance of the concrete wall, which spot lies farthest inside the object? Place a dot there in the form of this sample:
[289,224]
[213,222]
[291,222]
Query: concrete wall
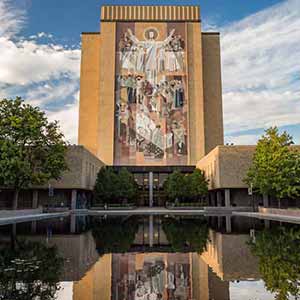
[205,283]
[83,169]
[96,284]
[105,149]
[77,250]
[230,257]
[227,166]
[89,91]
[210,165]
[212,84]
[196,137]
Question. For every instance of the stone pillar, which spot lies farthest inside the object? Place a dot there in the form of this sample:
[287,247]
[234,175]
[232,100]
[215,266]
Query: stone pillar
[13,235]
[151,189]
[33,226]
[73,224]
[219,198]
[228,224]
[35,199]
[267,224]
[35,203]
[212,199]
[219,222]
[73,199]
[227,198]
[266,200]
[151,231]
[215,201]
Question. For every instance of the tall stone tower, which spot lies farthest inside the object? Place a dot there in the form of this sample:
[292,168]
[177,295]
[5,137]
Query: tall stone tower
[150,88]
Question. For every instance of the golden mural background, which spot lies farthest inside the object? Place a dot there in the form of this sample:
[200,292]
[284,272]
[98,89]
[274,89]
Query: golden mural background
[151,95]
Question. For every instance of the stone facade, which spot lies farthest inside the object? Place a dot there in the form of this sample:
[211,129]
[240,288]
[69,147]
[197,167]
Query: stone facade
[98,78]
[226,166]
[78,181]
[229,256]
[83,169]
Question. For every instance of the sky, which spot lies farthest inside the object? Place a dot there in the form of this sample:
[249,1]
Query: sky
[40,59]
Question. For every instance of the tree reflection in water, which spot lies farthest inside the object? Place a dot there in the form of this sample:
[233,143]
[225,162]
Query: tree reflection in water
[278,251]
[114,235]
[29,270]
[186,234]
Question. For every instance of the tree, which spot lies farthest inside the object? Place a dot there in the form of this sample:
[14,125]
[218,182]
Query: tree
[176,186]
[279,260]
[198,184]
[105,186]
[32,149]
[31,270]
[186,234]
[114,235]
[275,170]
[186,186]
[126,186]
[113,187]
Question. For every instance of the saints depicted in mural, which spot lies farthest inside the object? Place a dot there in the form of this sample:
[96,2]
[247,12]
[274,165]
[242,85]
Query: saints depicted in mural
[156,277]
[151,98]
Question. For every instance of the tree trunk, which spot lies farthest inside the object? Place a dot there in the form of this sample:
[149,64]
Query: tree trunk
[15,200]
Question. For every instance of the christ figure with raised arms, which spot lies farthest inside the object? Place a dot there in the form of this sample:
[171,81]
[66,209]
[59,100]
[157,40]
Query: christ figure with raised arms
[151,47]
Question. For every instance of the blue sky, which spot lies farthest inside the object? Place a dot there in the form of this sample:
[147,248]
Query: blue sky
[40,59]
[67,19]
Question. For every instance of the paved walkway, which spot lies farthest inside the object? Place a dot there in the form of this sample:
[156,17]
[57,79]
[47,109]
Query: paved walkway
[33,217]
[147,211]
[272,217]
[144,211]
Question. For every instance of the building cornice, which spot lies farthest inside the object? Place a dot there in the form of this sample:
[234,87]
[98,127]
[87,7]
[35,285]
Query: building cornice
[116,13]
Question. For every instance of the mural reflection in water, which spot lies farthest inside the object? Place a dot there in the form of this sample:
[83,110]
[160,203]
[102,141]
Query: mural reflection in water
[151,276]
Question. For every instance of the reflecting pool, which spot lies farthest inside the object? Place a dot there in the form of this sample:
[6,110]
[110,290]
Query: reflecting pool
[149,258]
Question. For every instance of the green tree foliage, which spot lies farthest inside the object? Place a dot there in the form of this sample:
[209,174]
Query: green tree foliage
[32,149]
[275,170]
[186,187]
[126,185]
[31,270]
[112,187]
[186,234]
[198,184]
[114,235]
[279,260]
[105,186]
[175,186]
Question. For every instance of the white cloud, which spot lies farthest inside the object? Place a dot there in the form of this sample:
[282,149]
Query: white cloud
[249,290]
[28,62]
[68,120]
[11,19]
[261,69]
[246,139]
[52,94]
[45,74]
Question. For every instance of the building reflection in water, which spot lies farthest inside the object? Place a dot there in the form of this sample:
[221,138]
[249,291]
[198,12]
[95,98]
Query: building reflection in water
[149,270]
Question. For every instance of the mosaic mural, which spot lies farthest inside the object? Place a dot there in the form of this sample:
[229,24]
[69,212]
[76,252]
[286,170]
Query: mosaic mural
[151,95]
[151,276]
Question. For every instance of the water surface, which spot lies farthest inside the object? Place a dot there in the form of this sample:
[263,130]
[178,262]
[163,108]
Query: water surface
[149,258]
